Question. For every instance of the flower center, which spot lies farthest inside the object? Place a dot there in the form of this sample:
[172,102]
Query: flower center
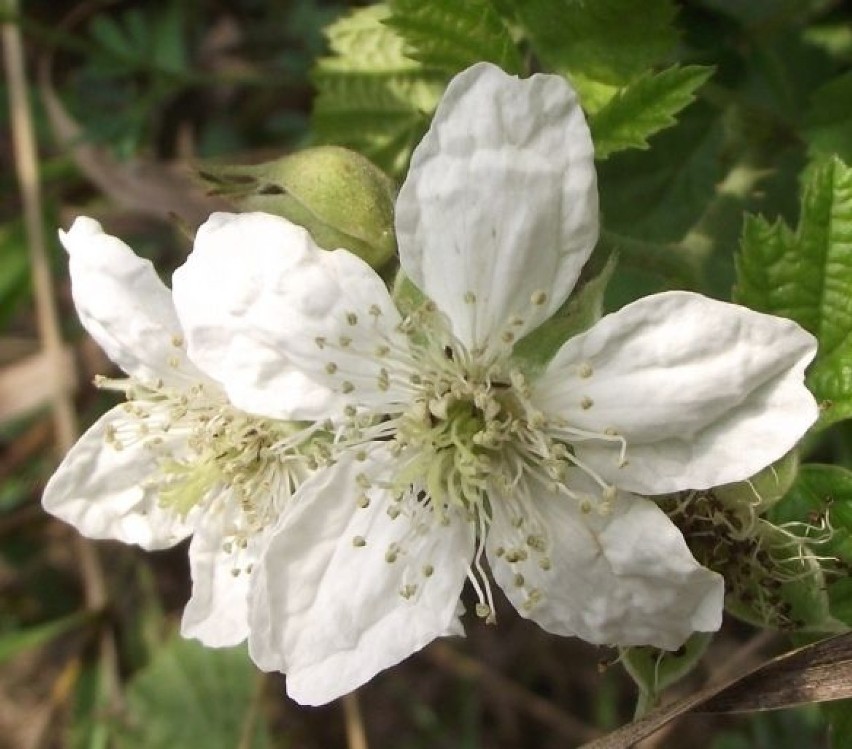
[465,434]
[213,456]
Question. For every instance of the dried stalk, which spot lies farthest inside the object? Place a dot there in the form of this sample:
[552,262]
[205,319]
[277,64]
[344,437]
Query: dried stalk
[62,406]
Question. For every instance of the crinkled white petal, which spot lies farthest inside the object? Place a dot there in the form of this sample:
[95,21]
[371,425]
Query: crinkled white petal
[217,612]
[704,392]
[622,578]
[279,322]
[103,492]
[330,613]
[500,202]
[124,305]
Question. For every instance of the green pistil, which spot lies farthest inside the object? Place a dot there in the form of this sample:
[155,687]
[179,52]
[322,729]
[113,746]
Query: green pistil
[187,484]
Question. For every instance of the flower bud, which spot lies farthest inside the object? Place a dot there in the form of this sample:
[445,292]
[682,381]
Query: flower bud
[340,197]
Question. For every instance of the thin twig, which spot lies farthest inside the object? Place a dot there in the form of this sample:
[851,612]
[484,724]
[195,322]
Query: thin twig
[62,406]
[26,163]
[356,736]
[567,726]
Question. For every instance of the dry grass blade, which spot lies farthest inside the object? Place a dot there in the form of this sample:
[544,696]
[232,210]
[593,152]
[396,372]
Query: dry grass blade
[32,382]
[815,673]
[356,735]
[26,163]
[62,406]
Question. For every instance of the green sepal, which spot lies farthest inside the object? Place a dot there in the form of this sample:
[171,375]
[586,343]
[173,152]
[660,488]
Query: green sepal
[654,670]
[822,491]
[805,599]
[406,295]
[192,696]
[582,310]
[762,491]
[339,196]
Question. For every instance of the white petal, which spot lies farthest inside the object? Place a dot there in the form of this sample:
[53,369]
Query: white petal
[704,392]
[217,612]
[124,305]
[103,493]
[500,201]
[254,297]
[330,613]
[624,578]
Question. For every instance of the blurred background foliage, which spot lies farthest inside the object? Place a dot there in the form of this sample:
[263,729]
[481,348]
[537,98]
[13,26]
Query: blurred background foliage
[130,97]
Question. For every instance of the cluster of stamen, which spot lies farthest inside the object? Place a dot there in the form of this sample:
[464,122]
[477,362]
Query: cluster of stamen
[213,457]
[465,434]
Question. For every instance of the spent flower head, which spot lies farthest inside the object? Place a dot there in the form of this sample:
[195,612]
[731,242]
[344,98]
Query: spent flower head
[450,454]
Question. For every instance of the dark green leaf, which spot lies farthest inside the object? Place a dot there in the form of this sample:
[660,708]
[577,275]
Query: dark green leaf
[449,35]
[609,41]
[839,715]
[192,696]
[828,124]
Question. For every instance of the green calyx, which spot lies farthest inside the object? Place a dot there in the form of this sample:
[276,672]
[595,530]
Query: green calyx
[759,493]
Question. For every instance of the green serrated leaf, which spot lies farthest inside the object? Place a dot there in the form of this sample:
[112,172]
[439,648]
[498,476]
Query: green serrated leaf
[371,96]
[645,107]
[806,275]
[192,696]
[582,310]
[611,41]
[451,36]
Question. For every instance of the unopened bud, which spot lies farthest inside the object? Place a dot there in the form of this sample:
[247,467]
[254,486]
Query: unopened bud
[339,196]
